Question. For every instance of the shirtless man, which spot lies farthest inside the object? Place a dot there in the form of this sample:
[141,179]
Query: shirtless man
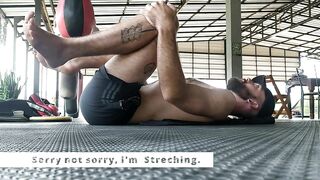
[117,94]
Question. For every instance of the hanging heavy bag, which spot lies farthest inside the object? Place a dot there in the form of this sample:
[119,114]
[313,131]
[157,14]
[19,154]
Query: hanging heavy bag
[75,18]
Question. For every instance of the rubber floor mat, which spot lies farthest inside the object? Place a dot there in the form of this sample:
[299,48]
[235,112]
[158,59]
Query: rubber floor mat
[285,150]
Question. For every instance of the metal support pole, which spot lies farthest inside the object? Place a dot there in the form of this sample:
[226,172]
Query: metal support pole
[26,70]
[36,73]
[276,24]
[291,16]
[309,8]
[14,44]
[262,30]
[57,89]
[192,59]
[233,39]
[209,55]
[270,59]
[52,7]
[16,20]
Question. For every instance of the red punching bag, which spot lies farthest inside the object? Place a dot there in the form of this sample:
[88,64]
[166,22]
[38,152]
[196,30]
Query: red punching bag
[75,18]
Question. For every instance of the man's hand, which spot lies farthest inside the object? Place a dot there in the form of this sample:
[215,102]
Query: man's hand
[162,15]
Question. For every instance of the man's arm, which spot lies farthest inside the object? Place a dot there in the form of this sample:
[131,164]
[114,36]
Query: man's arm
[171,77]
[193,97]
[189,97]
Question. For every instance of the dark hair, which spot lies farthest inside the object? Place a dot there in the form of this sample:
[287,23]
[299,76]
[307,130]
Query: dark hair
[269,103]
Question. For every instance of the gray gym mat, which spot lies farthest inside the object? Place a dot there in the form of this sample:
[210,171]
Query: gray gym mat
[280,151]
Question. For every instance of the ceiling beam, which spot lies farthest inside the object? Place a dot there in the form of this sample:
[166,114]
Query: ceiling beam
[3,15]
[183,3]
[288,28]
[270,16]
[314,4]
[12,5]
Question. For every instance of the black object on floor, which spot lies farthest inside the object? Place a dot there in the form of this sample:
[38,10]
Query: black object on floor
[16,105]
[279,151]
[228,121]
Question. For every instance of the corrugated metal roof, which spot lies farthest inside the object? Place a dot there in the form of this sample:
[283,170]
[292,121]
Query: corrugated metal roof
[286,24]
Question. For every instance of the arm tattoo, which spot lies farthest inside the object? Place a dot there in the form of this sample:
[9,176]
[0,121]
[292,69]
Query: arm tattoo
[149,68]
[133,33]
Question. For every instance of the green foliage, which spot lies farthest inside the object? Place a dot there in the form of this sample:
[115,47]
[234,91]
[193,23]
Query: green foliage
[9,86]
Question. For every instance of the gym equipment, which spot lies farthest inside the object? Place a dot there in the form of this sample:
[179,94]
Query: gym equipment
[49,108]
[73,19]
[50,118]
[68,90]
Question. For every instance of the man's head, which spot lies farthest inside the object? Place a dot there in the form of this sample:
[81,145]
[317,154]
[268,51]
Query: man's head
[259,99]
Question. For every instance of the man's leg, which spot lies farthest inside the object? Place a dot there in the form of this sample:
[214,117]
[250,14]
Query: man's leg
[123,38]
[136,66]
[76,64]
[100,100]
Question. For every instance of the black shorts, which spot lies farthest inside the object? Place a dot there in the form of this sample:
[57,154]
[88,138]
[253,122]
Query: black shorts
[108,100]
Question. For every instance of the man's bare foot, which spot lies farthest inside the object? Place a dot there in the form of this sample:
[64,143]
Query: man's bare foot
[69,67]
[50,46]
[41,59]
